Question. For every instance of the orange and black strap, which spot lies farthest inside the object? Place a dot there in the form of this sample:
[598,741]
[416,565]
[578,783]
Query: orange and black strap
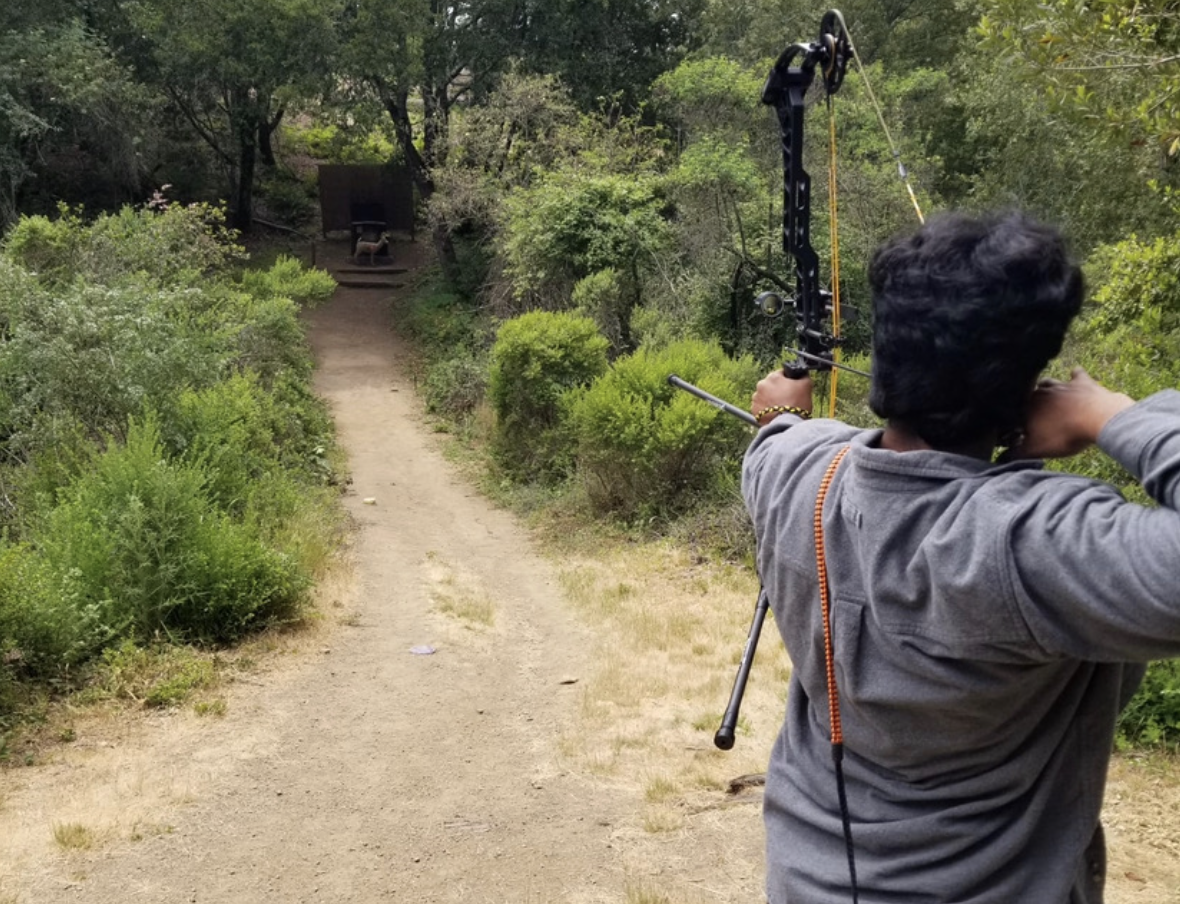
[821,563]
[837,730]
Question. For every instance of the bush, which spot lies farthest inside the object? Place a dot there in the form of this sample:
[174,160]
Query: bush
[285,197]
[340,143]
[46,248]
[288,278]
[1152,718]
[41,631]
[569,226]
[605,298]
[537,358]
[166,465]
[90,356]
[438,318]
[226,430]
[647,448]
[163,245]
[139,540]
[1133,277]
[251,442]
[456,385]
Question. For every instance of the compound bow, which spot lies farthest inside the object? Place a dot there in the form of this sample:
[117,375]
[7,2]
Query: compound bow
[786,90]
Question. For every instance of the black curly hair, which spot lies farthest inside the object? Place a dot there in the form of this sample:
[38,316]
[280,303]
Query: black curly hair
[966,314]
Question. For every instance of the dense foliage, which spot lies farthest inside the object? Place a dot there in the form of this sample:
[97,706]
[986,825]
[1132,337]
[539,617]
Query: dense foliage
[646,448]
[537,358]
[165,466]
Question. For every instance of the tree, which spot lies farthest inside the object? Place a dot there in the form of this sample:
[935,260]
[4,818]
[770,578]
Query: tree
[525,127]
[899,33]
[419,58]
[609,50]
[72,121]
[1118,61]
[1016,145]
[230,68]
[422,59]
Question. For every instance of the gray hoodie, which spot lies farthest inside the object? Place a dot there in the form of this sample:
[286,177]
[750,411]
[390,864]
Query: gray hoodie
[989,622]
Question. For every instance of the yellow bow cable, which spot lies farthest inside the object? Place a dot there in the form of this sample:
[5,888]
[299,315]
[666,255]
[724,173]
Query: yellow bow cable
[832,221]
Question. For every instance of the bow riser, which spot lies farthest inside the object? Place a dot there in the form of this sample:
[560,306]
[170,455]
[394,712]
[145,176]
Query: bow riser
[786,90]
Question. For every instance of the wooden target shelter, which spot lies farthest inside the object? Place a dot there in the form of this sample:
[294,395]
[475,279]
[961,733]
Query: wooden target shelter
[366,200]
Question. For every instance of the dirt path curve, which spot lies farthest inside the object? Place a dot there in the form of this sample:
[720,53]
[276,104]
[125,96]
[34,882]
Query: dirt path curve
[360,772]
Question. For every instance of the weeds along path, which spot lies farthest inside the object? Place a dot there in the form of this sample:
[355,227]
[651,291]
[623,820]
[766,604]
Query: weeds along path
[360,772]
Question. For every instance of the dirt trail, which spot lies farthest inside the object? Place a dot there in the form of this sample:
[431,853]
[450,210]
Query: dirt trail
[359,772]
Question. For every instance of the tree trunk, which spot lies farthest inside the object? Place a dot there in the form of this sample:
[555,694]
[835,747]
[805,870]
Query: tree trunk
[396,105]
[243,218]
[265,130]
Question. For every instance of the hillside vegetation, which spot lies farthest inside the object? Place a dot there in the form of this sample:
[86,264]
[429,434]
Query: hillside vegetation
[166,469]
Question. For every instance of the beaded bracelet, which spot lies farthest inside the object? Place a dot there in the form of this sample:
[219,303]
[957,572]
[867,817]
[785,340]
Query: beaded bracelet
[776,410]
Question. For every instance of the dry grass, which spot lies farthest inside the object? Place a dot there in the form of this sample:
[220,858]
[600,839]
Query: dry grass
[671,636]
[474,609]
[644,894]
[73,836]
[215,708]
[670,632]
[657,820]
[454,593]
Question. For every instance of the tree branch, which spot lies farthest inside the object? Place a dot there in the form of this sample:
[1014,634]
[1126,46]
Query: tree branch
[1146,64]
[203,131]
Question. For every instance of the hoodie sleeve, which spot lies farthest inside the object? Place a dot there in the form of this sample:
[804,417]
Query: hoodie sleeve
[1098,577]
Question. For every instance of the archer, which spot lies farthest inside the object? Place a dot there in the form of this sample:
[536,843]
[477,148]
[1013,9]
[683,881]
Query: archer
[964,629]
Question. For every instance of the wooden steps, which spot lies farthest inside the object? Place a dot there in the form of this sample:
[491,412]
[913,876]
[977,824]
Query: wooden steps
[373,271]
[362,282]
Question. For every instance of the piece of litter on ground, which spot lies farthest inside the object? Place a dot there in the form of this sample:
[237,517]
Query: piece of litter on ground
[422,650]
[369,500]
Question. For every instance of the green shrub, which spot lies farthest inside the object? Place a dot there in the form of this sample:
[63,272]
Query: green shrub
[438,318]
[1132,277]
[225,430]
[271,338]
[41,631]
[286,197]
[303,523]
[288,278]
[332,143]
[240,431]
[607,299]
[570,225]
[166,465]
[1152,718]
[536,359]
[645,447]
[456,385]
[162,245]
[90,356]
[47,248]
[139,539]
